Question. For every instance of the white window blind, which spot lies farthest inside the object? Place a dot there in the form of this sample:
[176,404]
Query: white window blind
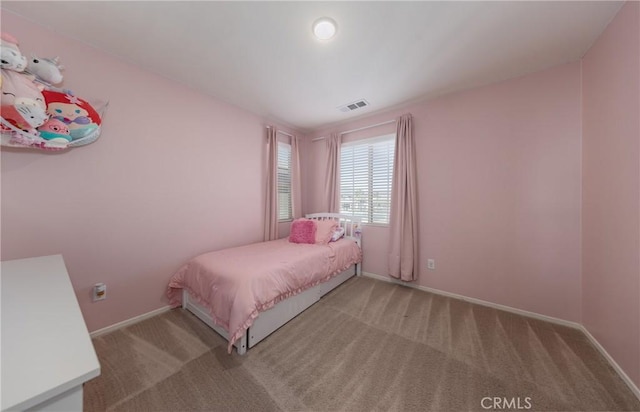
[284,182]
[366,173]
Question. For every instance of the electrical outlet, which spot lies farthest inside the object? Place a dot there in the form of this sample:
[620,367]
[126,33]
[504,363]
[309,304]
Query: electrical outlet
[431,264]
[99,292]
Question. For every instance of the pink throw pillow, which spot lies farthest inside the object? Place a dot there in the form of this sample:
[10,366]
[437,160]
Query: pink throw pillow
[303,231]
[324,231]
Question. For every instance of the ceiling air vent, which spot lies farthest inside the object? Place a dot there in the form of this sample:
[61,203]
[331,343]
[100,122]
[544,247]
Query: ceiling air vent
[353,106]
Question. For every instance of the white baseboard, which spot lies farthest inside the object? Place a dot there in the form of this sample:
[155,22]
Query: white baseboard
[612,362]
[522,312]
[131,321]
[534,315]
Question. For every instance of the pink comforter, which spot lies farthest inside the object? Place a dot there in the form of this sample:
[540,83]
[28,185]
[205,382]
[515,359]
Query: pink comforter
[236,284]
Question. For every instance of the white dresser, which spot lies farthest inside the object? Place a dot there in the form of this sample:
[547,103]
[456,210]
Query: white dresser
[46,351]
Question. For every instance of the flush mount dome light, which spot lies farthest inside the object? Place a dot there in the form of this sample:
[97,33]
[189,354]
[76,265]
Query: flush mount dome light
[324,28]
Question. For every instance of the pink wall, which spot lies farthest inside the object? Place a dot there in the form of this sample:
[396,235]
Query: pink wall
[498,192]
[499,189]
[611,190]
[174,174]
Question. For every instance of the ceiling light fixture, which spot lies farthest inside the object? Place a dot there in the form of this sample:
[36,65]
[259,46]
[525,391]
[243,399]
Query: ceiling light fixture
[324,28]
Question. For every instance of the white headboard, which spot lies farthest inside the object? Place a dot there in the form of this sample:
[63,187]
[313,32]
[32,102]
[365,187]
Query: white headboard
[352,225]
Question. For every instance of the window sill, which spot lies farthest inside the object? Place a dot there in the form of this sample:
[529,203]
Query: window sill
[376,224]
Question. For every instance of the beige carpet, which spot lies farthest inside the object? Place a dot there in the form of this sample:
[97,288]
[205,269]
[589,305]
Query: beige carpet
[369,345]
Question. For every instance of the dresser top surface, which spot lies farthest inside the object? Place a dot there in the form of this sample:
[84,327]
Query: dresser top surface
[46,348]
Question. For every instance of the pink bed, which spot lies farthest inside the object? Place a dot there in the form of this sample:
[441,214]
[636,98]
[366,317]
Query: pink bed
[236,284]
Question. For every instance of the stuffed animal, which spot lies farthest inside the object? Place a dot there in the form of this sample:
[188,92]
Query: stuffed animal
[22,104]
[45,70]
[77,114]
[54,131]
[12,58]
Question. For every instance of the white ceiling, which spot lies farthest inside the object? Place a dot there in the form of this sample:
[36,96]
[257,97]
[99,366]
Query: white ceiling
[262,56]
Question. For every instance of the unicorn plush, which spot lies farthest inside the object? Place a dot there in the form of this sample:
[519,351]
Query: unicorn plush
[45,70]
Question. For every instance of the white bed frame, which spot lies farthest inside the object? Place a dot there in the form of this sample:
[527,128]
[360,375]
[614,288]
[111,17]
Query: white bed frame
[272,319]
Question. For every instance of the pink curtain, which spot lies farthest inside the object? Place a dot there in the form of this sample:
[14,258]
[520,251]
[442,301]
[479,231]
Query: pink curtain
[296,185]
[271,197]
[403,224]
[332,182]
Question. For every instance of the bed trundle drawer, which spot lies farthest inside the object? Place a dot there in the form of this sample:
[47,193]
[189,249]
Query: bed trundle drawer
[336,281]
[283,312]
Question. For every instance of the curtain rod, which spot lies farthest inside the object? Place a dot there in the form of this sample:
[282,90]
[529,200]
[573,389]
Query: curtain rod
[280,131]
[359,129]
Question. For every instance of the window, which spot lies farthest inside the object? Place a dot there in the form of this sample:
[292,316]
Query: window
[284,182]
[366,172]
